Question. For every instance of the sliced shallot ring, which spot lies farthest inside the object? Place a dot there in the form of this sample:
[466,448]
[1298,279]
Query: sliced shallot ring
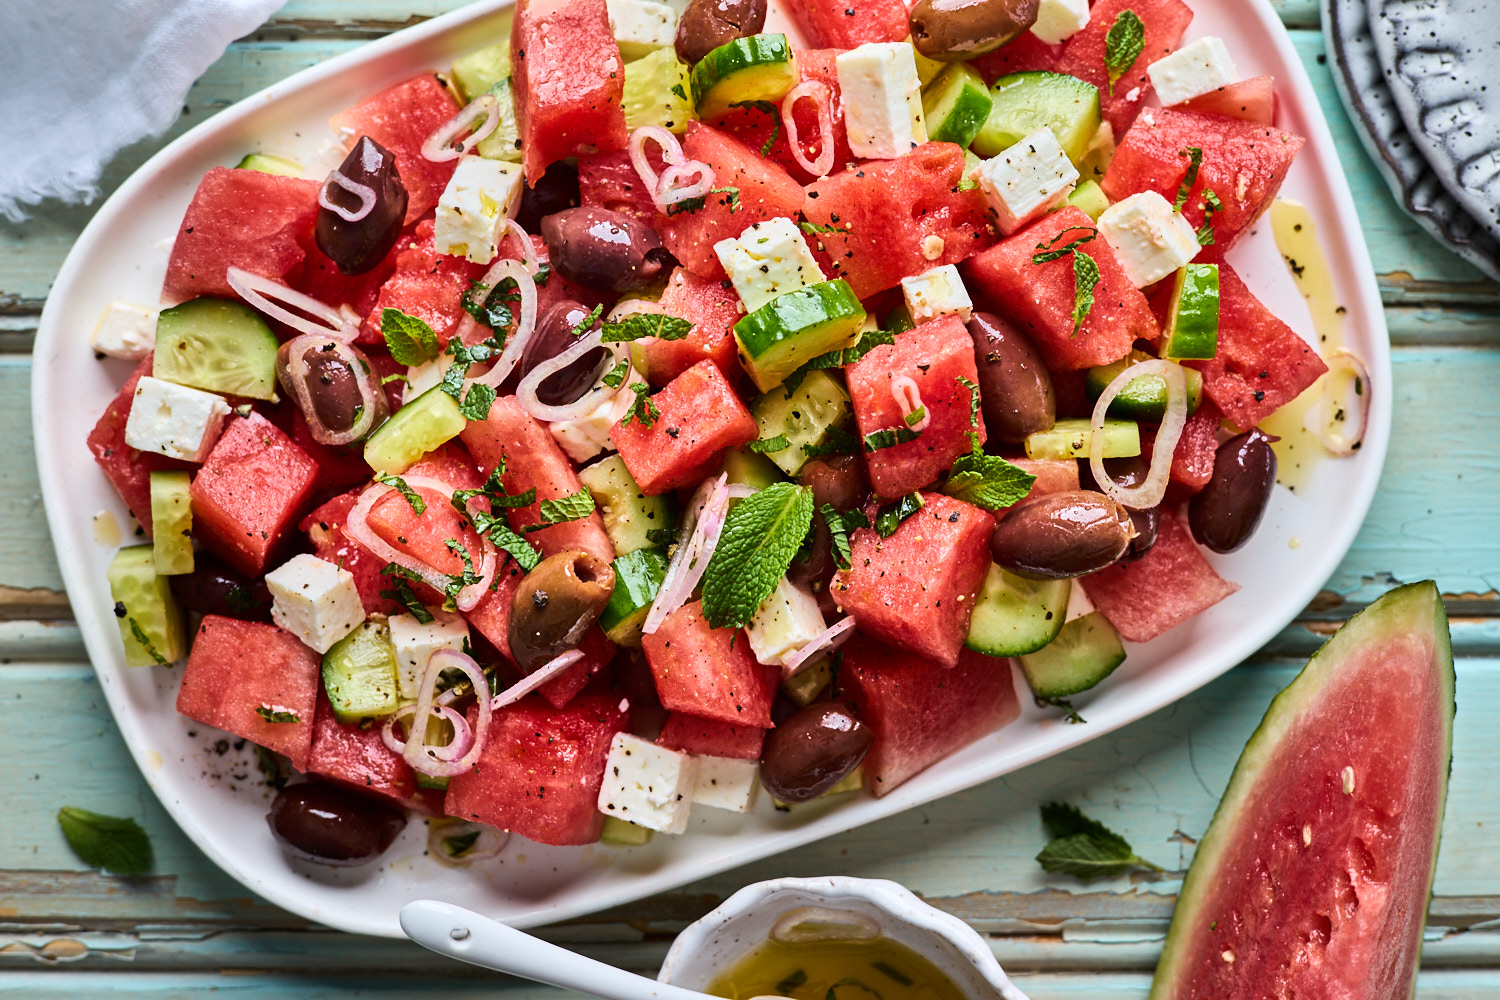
[528,249]
[1320,425]
[830,638]
[462,736]
[672,189]
[489,843]
[671,152]
[425,758]
[357,526]
[519,338]
[1149,493]
[267,294]
[536,679]
[909,397]
[816,91]
[440,146]
[583,405]
[690,560]
[363,192]
[297,362]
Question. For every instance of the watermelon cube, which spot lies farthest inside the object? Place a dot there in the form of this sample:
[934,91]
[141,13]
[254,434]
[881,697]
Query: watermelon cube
[916,588]
[843,24]
[129,471]
[1243,164]
[321,278]
[426,284]
[700,417]
[540,771]
[250,492]
[1039,298]
[1052,475]
[713,311]
[491,616]
[1023,54]
[897,218]
[709,672]
[401,118]
[237,668]
[425,536]
[1252,100]
[1193,459]
[755,128]
[569,81]
[324,527]
[1083,56]
[339,467]
[598,654]
[357,755]
[921,711]
[610,180]
[1171,583]
[935,355]
[710,737]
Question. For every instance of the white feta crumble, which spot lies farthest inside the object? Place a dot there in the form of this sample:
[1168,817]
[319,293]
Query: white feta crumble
[882,99]
[1150,240]
[648,785]
[314,600]
[588,435]
[420,378]
[1027,180]
[939,292]
[1196,69]
[415,643]
[726,783]
[480,194]
[766,260]
[125,331]
[1059,20]
[641,27]
[174,420]
[785,622]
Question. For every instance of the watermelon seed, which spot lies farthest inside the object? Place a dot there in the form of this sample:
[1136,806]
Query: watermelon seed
[1307,835]
[1228,955]
[1348,776]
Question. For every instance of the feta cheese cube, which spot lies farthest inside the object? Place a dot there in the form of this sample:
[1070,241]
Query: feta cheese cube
[939,292]
[415,643]
[882,99]
[641,27]
[587,436]
[125,331]
[174,420]
[480,194]
[1193,70]
[726,783]
[1149,238]
[420,378]
[314,600]
[648,785]
[785,622]
[769,259]
[1059,20]
[1027,180]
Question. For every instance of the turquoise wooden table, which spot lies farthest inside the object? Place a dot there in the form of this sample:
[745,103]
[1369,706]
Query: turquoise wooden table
[68,932]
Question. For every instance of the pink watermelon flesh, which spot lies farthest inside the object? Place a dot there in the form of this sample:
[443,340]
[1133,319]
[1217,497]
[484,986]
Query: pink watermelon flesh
[1020,55]
[755,128]
[357,755]
[1316,870]
[713,311]
[324,527]
[709,671]
[1083,56]
[426,284]
[844,24]
[701,417]
[696,735]
[1252,100]
[401,118]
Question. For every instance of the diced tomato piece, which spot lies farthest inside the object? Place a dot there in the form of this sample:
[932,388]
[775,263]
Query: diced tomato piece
[1083,55]
[709,672]
[1193,459]
[491,616]
[427,284]
[713,310]
[324,527]
[916,588]
[129,471]
[843,24]
[610,180]
[598,653]
[1052,475]
[1252,100]
[238,667]
[755,127]
[1023,54]
[700,417]
[401,118]
[357,756]
[710,737]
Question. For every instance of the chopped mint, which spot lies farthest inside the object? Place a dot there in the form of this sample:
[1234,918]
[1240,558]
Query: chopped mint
[777,443]
[1211,204]
[277,713]
[643,409]
[491,307]
[1123,45]
[818,229]
[774,112]
[616,375]
[987,481]
[418,505]
[410,341]
[839,528]
[569,508]
[761,535]
[587,323]
[891,516]
[1195,160]
[638,325]
[889,438]
[400,591]
[1085,275]
[477,402]
[493,524]
[458,582]
[145,641]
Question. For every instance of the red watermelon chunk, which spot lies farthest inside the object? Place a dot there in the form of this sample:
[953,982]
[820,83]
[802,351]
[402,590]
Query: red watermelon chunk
[709,672]
[1052,475]
[1193,460]
[425,536]
[1039,297]
[1021,55]
[324,527]
[1083,56]
[357,755]
[755,127]
[321,278]
[1244,164]
[935,355]
[491,616]
[129,471]
[610,180]
[237,667]
[245,219]
[1252,100]
[700,418]
[891,211]
[339,467]
[540,771]
[401,118]
[569,81]
[916,588]
[713,311]
[921,711]
[427,284]
[250,492]
[710,737]
[598,653]
[1171,583]
[843,24]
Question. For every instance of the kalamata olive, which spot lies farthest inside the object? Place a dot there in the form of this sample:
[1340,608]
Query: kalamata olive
[358,246]
[333,825]
[1128,472]
[837,479]
[212,588]
[1062,535]
[813,750]
[554,334]
[1015,388]
[554,191]
[604,249]
[327,388]
[949,30]
[1226,512]
[555,605]
[707,24]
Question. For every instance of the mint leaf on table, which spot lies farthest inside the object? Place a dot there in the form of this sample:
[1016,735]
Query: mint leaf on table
[1123,45]
[638,325]
[1084,847]
[987,481]
[412,497]
[761,535]
[410,341]
[116,845]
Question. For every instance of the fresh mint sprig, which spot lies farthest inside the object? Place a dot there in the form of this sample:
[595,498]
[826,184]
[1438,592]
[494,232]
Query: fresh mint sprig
[572,507]
[411,496]
[761,535]
[1085,269]
[1123,45]
[410,340]
[117,845]
[1084,847]
[644,411]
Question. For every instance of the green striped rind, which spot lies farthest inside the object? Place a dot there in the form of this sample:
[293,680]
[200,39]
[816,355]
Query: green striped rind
[757,68]
[1415,609]
[792,329]
[956,105]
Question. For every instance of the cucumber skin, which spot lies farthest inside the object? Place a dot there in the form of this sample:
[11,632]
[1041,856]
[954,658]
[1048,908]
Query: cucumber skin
[967,110]
[627,512]
[768,55]
[425,423]
[1195,308]
[218,346]
[1004,623]
[1069,438]
[1086,651]
[796,327]
[148,600]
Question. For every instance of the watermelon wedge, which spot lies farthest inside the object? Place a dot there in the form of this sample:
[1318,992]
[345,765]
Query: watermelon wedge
[1337,803]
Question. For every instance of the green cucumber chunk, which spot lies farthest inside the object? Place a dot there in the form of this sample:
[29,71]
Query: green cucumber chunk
[792,329]
[629,515]
[1090,198]
[1024,102]
[804,417]
[638,576]
[746,468]
[1069,438]
[268,164]
[477,72]
[757,68]
[216,345]
[956,105]
[417,428]
[622,833]
[359,673]
[1014,615]
[1086,651]
[807,683]
[899,320]
[657,92]
[852,782]
[172,522]
[431,781]
[1144,397]
[150,619]
[505,142]
[1193,318]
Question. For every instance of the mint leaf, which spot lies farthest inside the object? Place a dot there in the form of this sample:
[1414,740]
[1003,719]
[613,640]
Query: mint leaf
[839,528]
[116,845]
[818,229]
[1123,45]
[1085,279]
[1047,252]
[731,198]
[568,508]
[839,442]
[889,438]
[638,325]
[418,505]
[400,591]
[459,845]
[973,388]
[1211,204]
[870,340]
[1070,714]
[774,112]
[677,89]
[492,307]
[493,524]
[890,517]
[477,402]
[1195,160]
[277,713]
[761,535]
[410,341]
[397,377]
[587,323]
[643,409]
[616,375]
[777,443]
[987,481]
[457,583]
[1084,847]
[465,357]
[145,641]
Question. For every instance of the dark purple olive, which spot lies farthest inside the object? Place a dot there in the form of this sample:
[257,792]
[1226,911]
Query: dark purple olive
[555,604]
[1062,535]
[838,480]
[212,588]
[813,750]
[605,250]
[358,246]
[554,334]
[333,825]
[707,24]
[555,191]
[1128,472]
[961,29]
[1015,388]
[1226,512]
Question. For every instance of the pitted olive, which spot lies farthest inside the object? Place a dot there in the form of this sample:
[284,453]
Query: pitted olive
[949,30]
[1129,472]
[555,605]
[1015,388]
[604,249]
[358,246]
[707,24]
[554,334]
[1226,512]
[813,750]
[1062,535]
[333,825]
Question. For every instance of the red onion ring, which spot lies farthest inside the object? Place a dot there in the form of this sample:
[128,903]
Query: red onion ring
[830,638]
[909,397]
[1150,492]
[297,349]
[526,391]
[672,188]
[703,523]
[426,758]
[263,293]
[535,679]
[822,97]
[489,843]
[363,192]
[670,147]
[519,338]
[437,148]
[1320,423]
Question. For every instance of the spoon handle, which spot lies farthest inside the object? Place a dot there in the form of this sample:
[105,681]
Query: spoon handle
[469,937]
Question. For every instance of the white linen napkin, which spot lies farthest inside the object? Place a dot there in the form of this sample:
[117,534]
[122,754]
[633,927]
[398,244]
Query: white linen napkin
[82,79]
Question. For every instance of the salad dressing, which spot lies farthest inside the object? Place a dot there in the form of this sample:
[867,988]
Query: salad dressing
[875,969]
[107,529]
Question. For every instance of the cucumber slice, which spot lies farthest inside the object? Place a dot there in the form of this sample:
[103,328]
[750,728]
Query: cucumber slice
[1086,651]
[505,142]
[750,469]
[477,72]
[1014,615]
[172,523]
[417,428]
[629,515]
[1193,319]
[809,682]
[899,320]
[1144,397]
[656,92]
[757,68]
[804,417]
[776,339]
[620,833]
[1099,155]
[216,345]
[1070,439]
[1024,102]
[268,164]
[359,673]
[150,619]
[956,105]
[638,576]
[1090,198]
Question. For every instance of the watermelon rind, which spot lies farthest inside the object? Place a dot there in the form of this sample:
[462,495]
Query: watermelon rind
[1412,609]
